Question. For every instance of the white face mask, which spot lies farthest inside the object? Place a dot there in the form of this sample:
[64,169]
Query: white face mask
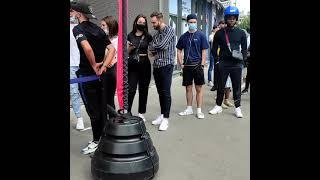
[106,31]
[73,20]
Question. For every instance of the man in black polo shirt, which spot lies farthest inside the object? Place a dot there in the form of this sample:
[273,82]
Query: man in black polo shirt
[92,42]
[233,50]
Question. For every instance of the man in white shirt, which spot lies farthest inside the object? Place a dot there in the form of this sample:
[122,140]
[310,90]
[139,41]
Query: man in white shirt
[74,66]
[211,64]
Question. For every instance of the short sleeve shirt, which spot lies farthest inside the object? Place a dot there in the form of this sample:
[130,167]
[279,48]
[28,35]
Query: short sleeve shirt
[98,41]
[135,40]
[192,44]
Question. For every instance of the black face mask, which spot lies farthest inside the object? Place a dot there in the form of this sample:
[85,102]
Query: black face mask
[141,27]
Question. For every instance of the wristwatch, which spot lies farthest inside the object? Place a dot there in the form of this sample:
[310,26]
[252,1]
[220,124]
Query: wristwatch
[202,65]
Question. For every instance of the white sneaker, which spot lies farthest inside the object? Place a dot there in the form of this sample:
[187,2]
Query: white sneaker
[80,124]
[217,109]
[92,146]
[158,120]
[238,113]
[186,112]
[142,117]
[86,148]
[200,115]
[164,125]
[210,83]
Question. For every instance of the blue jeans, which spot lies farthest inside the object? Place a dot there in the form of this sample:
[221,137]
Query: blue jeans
[211,64]
[74,93]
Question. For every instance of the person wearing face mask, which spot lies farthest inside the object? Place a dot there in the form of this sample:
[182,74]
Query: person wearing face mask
[163,49]
[74,67]
[92,42]
[110,26]
[233,51]
[194,43]
[139,66]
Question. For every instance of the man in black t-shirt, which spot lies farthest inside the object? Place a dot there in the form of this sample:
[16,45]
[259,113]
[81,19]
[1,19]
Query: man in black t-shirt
[93,43]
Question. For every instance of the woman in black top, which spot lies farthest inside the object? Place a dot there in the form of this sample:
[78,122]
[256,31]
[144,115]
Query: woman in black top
[110,26]
[139,66]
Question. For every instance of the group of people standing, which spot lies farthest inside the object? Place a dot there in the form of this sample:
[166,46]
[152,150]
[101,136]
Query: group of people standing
[93,50]
[228,47]
[97,48]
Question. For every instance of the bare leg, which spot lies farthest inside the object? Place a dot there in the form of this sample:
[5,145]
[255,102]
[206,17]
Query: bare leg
[199,95]
[189,95]
[227,93]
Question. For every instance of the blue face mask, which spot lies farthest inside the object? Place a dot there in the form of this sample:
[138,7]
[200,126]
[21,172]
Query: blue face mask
[192,26]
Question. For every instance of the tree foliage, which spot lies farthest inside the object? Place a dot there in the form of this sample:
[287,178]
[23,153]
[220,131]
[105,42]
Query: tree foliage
[245,23]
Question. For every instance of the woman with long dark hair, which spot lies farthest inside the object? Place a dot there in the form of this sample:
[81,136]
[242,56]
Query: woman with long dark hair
[110,26]
[139,66]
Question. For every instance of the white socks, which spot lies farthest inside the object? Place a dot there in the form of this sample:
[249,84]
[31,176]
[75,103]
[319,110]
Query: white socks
[189,109]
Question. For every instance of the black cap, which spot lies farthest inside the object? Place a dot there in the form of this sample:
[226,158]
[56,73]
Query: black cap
[83,8]
[191,16]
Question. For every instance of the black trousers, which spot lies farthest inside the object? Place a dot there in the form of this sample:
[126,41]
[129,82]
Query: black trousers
[215,74]
[92,95]
[110,84]
[96,95]
[248,77]
[163,80]
[139,74]
[235,71]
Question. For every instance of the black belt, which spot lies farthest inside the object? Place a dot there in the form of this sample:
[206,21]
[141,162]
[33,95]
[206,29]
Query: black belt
[193,64]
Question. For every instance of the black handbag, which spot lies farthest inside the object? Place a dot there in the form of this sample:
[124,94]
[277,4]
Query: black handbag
[135,56]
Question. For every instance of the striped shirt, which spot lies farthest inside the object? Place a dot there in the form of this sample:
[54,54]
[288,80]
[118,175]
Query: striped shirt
[163,42]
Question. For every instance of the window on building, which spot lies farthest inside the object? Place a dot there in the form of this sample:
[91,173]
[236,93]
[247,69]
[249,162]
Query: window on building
[173,7]
[186,8]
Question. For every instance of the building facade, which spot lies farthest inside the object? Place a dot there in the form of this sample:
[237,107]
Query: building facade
[175,12]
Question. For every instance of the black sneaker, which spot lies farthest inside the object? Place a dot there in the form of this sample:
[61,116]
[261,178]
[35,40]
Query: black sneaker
[245,91]
[213,88]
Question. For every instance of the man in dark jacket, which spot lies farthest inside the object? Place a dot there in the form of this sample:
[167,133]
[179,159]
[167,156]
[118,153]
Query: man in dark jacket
[233,51]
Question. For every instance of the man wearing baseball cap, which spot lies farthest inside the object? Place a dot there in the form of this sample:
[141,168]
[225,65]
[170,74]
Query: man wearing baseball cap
[83,8]
[194,43]
[93,43]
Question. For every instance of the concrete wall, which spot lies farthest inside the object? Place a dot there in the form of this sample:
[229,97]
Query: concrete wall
[104,8]
[145,7]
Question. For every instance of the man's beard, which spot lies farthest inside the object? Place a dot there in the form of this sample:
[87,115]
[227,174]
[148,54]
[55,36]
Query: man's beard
[231,25]
[157,27]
